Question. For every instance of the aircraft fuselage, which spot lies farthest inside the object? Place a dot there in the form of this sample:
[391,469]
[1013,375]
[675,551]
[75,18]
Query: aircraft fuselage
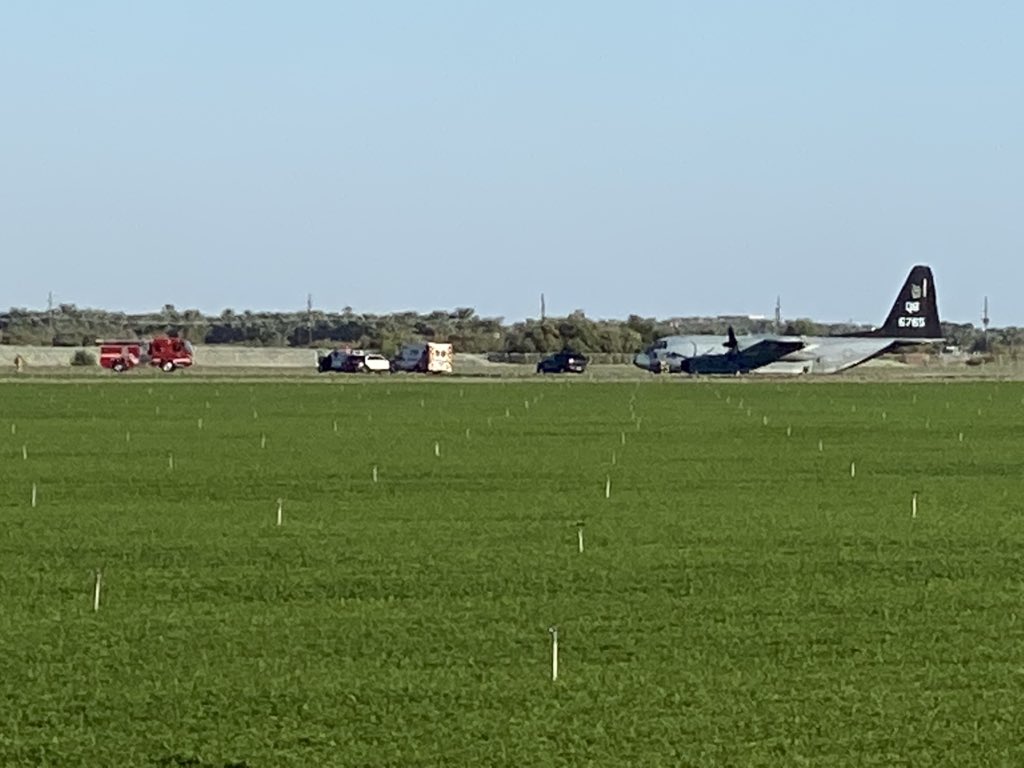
[705,354]
[913,319]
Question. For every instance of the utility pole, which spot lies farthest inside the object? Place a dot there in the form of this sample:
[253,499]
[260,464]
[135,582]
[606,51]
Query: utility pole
[778,314]
[542,306]
[49,313]
[984,324]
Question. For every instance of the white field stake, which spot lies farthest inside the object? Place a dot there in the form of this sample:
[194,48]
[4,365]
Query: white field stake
[853,469]
[623,438]
[280,511]
[199,423]
[24,452]
[789,431]
[613,458]
[883,416]
[97,585]
[158,410]
[335,425]
[507,413]
[526,404]
[34,495]
[170,461]
[127,437]
[554,653]
[608,487]
[821,446]
[375,473]
[579,536]
[263,441]
[437,449]
[14,429]
[913,505]
[764,421]
[254,414]
[960,437]
[423,403]
[467,433]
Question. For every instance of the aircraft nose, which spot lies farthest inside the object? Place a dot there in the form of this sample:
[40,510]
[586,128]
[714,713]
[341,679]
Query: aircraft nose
[642,360]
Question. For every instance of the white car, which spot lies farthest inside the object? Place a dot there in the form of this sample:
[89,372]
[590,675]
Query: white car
[376,364]
[345,361]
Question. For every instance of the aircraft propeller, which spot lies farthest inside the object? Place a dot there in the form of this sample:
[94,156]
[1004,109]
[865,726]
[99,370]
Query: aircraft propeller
[731,342]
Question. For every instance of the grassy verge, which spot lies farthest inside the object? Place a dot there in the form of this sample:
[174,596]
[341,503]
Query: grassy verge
[743,597]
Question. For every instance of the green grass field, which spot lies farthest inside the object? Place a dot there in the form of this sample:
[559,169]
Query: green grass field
[742,600]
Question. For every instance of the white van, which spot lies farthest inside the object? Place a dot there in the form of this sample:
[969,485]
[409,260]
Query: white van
[425,357]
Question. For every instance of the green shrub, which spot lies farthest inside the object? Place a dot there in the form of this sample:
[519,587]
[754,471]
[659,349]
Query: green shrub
[83,357]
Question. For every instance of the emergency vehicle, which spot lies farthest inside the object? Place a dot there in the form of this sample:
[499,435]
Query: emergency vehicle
[164,352]
[425,357]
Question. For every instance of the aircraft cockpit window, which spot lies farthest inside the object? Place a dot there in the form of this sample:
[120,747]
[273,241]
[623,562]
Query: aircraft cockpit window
[661,345]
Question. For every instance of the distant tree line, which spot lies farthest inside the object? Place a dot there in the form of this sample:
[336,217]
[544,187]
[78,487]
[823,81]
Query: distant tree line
[68,325]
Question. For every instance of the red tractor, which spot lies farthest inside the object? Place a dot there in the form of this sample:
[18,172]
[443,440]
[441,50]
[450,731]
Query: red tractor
[163,352]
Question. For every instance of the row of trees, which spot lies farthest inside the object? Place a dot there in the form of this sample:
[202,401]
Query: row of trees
[67,325]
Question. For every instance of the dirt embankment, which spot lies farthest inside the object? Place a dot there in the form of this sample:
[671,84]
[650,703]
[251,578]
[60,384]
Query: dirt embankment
[222,357]
[228,360]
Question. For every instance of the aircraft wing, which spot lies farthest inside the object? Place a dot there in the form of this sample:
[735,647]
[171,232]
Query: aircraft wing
[771,348]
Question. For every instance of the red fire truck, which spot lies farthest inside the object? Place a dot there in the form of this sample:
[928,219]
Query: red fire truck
[163,352]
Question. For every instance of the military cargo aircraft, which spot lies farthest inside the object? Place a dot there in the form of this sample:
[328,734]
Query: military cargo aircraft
[913,319]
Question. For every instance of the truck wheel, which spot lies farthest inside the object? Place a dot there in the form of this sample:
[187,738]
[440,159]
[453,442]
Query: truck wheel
[118,366]
[167,366]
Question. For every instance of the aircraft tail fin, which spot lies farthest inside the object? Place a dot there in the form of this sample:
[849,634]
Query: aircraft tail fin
[915,313]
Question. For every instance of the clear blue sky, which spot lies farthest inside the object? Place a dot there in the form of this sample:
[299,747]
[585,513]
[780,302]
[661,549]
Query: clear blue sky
[657,158]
